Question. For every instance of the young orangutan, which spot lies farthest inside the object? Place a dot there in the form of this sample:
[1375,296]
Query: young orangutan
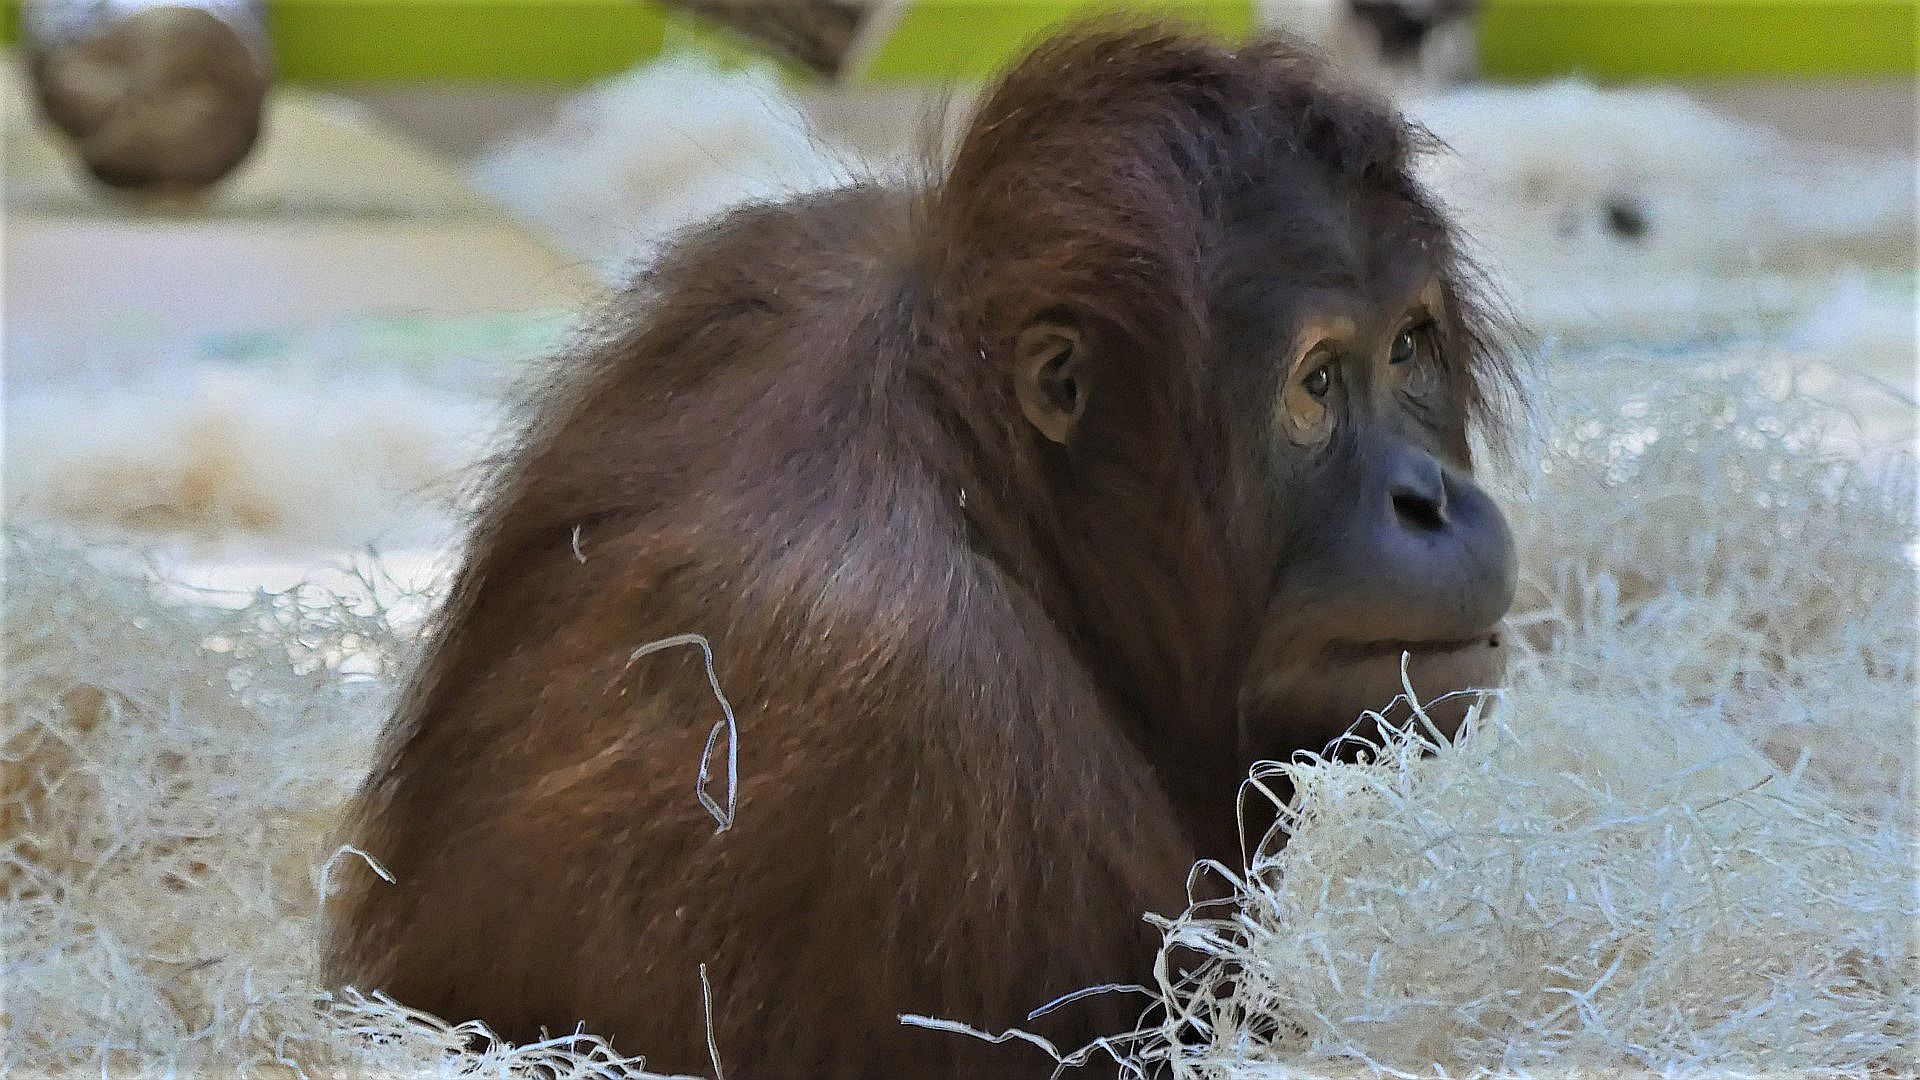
[1023,512]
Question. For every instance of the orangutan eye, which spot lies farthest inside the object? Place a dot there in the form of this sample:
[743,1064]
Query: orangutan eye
[1412,359]
[1312,392]
[1318,382]
[1405,347]
[1306,403]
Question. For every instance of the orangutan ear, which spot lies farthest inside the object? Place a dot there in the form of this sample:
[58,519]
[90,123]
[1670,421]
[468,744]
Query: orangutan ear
[1051,378]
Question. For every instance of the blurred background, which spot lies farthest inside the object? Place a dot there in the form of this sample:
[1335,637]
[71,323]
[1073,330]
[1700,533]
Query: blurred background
[272,269]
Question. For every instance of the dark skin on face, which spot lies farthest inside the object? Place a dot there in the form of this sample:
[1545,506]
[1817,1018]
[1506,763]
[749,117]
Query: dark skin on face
[1389,550]
[1024,511]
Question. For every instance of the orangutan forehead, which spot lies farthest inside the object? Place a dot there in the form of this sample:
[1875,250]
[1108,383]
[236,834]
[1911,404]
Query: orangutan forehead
[1333,265]
[1305,223]
[1318,317]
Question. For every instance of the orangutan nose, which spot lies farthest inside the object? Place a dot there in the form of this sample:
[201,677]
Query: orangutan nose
[1418,487]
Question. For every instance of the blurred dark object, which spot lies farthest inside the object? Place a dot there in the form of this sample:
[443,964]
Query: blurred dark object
[1403,26]
[157,95]
[1400,47]
[819,35]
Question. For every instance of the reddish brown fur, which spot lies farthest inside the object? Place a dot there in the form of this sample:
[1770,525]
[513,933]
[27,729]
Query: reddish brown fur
[981,733]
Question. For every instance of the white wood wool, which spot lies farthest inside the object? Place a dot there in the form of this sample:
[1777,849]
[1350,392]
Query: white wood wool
[1682,843]
[174,774]
[635,158]
[209,451]
[1637,212]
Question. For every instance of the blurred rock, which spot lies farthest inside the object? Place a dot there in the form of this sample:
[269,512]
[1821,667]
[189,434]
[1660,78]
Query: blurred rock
[155,96]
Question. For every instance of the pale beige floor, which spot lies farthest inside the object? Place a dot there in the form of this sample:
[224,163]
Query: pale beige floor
[96,285]
[334,216]
[1876,114]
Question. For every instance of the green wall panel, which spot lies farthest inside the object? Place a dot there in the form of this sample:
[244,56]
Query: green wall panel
[1630,39]
[518,40]
[973,38]
[575,40]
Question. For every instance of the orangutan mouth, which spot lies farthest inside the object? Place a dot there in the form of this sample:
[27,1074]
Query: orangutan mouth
[1343,650]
